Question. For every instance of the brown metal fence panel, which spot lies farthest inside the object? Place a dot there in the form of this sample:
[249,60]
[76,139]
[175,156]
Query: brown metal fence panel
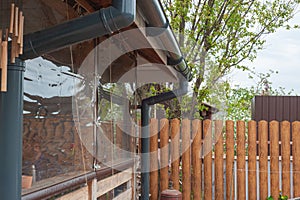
[277,108]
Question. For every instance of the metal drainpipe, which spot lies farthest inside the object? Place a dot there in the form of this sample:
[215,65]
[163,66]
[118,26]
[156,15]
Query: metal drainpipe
[106,21]
[11,125]
[145,158]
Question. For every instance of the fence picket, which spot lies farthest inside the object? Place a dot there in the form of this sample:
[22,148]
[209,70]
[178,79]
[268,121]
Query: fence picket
[154,159]
[274,150]
[186,160]
[296,160]
[252,195]
[285,155]
[263,159]
[241,166]
[175,136]
[229,160]
[164,154]
[192,180]
[219,183]
[207,150]
[196,159]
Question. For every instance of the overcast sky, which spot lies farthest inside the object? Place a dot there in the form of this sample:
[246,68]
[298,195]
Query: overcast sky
[282,54]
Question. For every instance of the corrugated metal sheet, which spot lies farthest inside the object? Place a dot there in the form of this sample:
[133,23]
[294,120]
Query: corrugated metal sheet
[278,108]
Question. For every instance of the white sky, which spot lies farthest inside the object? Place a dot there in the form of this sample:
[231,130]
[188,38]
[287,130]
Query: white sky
[282,54]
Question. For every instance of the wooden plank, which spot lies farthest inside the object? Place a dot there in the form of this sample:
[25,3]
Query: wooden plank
[92,189]
[12,15]
[219,181]
[241,165]
[154,159]
[207,151]
[186,160]
[296,160]
[285,155]
[229,160]
[274,150]
[196,159]
[263,159]
[127,195]
[164,154]
[252,160]
[175,136]
[80,194]
[112,182]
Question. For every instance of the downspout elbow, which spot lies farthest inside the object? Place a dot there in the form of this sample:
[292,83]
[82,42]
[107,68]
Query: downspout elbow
[120,15]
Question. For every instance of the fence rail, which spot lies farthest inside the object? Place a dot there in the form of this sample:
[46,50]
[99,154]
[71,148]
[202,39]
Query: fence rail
[217,160]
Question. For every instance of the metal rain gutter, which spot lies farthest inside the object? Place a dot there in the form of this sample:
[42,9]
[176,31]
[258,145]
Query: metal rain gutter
[155,17]
[103,22]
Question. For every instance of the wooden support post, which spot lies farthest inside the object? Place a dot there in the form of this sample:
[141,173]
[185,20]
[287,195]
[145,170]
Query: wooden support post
[92,189]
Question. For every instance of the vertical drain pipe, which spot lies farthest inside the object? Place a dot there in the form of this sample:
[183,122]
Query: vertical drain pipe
[11,122]
[145,158]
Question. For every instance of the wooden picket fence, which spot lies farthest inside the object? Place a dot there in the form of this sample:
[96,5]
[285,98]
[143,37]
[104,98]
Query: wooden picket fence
[225,160]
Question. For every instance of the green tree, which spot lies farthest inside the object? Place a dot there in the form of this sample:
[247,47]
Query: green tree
[216,36]
[239,99]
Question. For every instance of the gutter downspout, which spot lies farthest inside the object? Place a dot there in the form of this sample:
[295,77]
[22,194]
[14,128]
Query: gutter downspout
[103,22]
[11,123]
[145,160]
[155,17]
